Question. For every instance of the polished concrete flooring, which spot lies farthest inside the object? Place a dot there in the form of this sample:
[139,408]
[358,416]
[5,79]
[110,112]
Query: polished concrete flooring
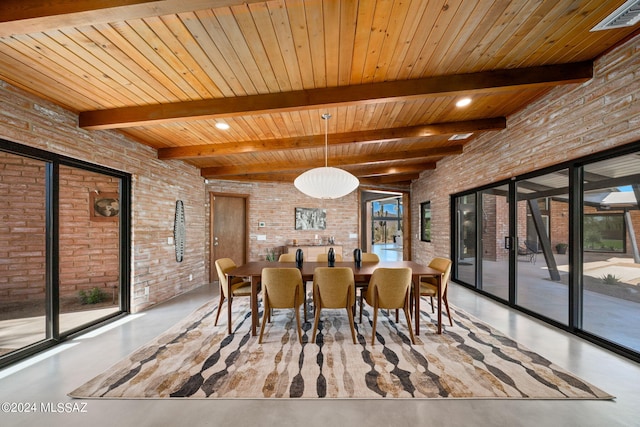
[45,380]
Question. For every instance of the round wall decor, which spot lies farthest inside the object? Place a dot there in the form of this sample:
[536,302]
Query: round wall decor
[179,231]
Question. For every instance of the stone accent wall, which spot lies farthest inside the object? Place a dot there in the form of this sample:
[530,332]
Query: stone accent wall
[156,185]
[569,122]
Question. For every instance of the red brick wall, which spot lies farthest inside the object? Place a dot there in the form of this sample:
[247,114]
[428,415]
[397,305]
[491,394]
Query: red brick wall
[275,203]
[156,185]
[22,229]
[570,122]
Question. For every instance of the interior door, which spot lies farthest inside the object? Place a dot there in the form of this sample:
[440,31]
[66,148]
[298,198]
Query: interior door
[228,229]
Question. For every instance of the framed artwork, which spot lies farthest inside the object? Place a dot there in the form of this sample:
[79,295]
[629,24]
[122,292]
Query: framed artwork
[425,221]
[311,219]
[104,206]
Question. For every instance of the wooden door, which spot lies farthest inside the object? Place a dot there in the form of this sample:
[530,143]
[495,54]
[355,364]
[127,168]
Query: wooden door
[228,229]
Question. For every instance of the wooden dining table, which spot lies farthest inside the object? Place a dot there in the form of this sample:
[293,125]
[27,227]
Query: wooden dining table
[253,270]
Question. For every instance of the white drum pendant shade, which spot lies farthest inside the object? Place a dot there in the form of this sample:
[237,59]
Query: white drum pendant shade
[326,183]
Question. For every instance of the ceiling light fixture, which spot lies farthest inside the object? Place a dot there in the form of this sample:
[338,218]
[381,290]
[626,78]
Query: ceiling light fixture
[222,126]
[326,182]
[463,102]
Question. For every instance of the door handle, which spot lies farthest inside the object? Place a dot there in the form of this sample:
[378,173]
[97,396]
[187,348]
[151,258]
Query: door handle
[508,240]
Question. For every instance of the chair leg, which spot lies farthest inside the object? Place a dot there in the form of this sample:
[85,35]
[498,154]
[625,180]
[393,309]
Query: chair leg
[265,315]
[304,304]
[318,308]
[446,304]
[375,320]
[219,307]
[351,323]
[297,309]
[408,316]
[432,306]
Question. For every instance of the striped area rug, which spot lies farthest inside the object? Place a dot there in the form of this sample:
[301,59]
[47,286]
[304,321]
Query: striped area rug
[195,359]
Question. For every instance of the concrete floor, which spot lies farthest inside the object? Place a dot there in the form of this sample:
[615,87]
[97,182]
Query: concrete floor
[45,379]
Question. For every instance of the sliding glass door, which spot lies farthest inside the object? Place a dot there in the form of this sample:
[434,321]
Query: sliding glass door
[610,256]
[542,218]
[560,244]
[65,244]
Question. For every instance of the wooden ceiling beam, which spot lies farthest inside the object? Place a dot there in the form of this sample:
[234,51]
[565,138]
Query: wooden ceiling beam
[34,16]
[347,162]
[312,141]
[482,82]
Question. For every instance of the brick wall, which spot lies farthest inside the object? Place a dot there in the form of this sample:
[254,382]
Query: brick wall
[570,122]
[275,203]
[156,185]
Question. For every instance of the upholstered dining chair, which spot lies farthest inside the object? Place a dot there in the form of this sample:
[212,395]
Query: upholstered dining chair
[288,257]
[325,258]
[429,287]
[282,288]
[389,288]
[333,288]
[239,287]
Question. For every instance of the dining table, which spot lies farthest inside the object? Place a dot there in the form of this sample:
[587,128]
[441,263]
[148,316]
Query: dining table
[361,273]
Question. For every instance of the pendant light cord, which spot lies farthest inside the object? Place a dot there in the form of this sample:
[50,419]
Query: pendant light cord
[326,117]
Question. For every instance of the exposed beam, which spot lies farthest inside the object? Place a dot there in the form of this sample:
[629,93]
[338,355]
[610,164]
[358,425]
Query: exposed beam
[488,81]
[33,16]
[347,162]
[312,141]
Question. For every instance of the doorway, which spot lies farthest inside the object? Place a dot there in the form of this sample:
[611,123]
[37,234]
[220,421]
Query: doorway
[229,237]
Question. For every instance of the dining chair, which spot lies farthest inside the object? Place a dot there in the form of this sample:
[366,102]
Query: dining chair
[288,257]
[325,258]
[333,287]
[389,288]
[429,286]
[282,287]
[239,287]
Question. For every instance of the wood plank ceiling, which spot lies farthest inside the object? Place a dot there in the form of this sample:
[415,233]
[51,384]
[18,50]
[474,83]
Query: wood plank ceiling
[389,72]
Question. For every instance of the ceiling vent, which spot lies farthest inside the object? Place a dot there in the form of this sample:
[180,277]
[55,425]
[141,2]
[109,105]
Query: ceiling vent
[460,136]
[625,16]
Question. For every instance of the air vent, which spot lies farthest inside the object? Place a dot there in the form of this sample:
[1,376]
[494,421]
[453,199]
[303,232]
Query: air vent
[460,136]
[625,16]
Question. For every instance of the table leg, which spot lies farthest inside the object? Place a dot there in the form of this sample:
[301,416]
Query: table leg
[255,281]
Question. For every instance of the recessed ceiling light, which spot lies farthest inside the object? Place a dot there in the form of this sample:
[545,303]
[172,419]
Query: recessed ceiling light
[463,102]
[222,126]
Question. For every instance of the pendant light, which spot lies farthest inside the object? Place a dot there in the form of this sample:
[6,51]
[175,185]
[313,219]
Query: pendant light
[326,182]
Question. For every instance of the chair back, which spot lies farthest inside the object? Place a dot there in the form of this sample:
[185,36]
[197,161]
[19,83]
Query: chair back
[283,287]
[223,266]
[288,257]
[390,286]
[325,258]
[443,265]
[335,286]
[370,257]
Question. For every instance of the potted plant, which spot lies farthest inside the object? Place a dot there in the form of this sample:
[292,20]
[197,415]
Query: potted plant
[561,248]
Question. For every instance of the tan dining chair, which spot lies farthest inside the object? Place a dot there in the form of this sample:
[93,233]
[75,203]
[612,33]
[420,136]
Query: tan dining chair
[239,287]
[389,288]
[288,257]
[282,287]
[333,287]
[325,258]
[429,286]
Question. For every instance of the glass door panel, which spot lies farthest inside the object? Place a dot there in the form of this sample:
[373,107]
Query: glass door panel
[89,247]
[23,288]
[542,228]
[611,260]
[495,241]
[465,244]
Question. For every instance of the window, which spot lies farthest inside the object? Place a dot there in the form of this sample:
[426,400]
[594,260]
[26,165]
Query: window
[425,221]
